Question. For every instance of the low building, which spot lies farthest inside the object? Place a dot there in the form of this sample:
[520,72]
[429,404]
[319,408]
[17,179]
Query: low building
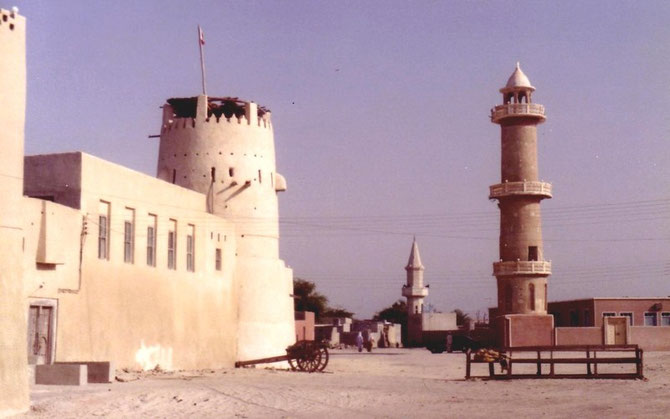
[304,325]
[640,311]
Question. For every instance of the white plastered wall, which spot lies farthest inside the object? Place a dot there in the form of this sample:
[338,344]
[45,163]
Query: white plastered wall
[243,191]
[13,372]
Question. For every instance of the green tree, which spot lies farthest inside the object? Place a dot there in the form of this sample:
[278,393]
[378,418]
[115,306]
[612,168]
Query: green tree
[306,298]
[337,312]
[462,318]
[396,313]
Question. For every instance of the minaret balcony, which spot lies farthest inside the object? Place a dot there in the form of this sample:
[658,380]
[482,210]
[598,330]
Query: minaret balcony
[500,190]
[521,267]
[501,112]
[414,292]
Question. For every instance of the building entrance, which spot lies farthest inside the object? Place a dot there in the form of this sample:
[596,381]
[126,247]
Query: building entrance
[41,325]
[615,330]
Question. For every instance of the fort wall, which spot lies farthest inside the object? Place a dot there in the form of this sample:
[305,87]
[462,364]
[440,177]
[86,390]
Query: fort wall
[231,160]
[137,311]
[13,371]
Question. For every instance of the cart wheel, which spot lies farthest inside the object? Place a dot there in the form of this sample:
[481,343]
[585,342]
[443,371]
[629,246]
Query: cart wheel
[293,363]
[323,359]
[310,361]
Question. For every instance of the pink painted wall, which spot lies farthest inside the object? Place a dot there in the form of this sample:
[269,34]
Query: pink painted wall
[304,325]
[529,330]
[579,336]
[651,338]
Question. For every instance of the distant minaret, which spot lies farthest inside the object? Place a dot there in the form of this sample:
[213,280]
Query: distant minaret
[522,270]
[414,289]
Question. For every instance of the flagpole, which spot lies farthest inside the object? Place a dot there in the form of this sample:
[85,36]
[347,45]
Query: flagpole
[201,42]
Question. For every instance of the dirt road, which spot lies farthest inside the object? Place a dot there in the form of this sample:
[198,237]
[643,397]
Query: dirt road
[394,383]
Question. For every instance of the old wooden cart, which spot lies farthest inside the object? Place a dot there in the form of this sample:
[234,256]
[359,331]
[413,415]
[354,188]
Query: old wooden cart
[304,355]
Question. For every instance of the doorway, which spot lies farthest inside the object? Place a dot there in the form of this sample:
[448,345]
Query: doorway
[41,332]
[615,330]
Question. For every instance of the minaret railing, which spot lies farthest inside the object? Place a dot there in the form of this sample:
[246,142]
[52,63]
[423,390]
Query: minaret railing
[522,267]
[516,109]
[520,188]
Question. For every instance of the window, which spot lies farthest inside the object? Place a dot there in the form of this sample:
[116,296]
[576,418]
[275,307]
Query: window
[629,315]
[532,253]
[103,230]
[172,245]
[189,248]
[128,242]
[151,241]
[587,317]
[609,314]
[574,318]
[129,236]
[531,296]
[650,319]
[231,171]
[665,319]
[217,261]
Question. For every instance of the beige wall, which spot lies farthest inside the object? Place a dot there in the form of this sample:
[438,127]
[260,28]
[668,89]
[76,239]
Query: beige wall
[651,338]
[131,313]
[247,195]
[526,330]
[13,372]
[579,335]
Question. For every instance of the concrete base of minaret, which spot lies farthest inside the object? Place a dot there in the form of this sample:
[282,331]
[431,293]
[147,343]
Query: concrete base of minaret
[516,330]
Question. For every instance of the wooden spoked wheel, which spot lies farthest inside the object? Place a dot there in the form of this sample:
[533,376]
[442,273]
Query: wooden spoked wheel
[293,363]
[323,359]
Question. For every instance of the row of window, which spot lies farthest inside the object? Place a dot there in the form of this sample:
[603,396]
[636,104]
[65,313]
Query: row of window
[650,318]
[151,237]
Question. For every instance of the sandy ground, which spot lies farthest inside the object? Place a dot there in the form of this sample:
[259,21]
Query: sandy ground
[394,383]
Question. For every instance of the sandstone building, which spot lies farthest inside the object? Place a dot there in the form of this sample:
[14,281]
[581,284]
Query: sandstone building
[102,263]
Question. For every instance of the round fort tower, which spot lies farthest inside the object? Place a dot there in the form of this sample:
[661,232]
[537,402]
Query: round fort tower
[522,270]
[224,148]
[13,373]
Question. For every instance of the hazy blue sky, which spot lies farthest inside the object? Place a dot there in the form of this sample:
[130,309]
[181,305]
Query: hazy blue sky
[380,111]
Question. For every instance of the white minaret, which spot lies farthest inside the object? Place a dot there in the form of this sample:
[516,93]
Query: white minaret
[414,290]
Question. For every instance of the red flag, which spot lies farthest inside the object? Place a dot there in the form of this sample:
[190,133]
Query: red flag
[201,37]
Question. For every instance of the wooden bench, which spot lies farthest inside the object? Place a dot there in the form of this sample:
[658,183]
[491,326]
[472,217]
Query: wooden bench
[630,354]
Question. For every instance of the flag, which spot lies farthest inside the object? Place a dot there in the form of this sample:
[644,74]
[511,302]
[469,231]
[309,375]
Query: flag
[201,37]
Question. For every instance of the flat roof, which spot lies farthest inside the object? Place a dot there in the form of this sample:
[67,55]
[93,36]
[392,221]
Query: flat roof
[610,298]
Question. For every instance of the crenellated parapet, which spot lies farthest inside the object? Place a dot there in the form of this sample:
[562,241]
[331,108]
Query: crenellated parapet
[181,113]
[184,123]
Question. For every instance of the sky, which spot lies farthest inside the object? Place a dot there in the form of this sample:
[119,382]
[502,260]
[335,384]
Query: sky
[380,113]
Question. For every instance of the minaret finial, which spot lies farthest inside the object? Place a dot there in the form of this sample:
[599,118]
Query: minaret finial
[518,65]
